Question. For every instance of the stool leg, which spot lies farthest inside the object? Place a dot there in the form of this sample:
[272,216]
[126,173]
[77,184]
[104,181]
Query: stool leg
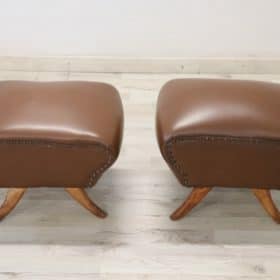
[13,197]
[82,197]
[264,197]
[195,197]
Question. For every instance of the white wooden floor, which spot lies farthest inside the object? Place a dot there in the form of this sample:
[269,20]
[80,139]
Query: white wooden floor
[49,236]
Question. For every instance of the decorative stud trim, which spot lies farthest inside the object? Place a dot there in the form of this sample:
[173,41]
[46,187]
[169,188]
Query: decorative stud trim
[169,147]
[95,175]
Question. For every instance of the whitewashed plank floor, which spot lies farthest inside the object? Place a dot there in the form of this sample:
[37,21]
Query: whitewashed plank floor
[49,236]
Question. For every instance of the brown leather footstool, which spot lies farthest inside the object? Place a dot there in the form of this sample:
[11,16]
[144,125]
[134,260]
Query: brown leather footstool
[59,134]
[221,133]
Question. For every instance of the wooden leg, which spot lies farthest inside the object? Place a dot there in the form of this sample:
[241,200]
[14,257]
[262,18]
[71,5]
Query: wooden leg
[13,197]
[82,197]
[264,197]
[196,195]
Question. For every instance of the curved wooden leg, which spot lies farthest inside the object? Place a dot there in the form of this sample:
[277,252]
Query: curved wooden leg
[13,197]
[82,197]
[264,197]
[196,195]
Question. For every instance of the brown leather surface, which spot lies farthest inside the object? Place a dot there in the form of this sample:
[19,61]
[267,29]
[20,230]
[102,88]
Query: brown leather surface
[58,133]
[221,132]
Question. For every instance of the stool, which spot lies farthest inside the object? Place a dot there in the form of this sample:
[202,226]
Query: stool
[221,133]
[57,134]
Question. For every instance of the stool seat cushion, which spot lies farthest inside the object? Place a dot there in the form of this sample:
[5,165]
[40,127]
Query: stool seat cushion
[221,132]
[58,133]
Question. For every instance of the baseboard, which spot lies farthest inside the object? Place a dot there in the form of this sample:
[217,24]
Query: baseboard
[145,65]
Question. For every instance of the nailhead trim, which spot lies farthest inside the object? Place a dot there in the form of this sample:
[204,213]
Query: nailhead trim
[52,144]
[169,145]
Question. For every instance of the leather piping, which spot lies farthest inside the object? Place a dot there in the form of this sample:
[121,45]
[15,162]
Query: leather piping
[169,145]
[95,174]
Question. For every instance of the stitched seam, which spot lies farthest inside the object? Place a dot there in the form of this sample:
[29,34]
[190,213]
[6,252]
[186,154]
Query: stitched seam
[169,145]
[95,174]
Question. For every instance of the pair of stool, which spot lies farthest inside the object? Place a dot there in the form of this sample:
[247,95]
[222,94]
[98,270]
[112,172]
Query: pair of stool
[210,132]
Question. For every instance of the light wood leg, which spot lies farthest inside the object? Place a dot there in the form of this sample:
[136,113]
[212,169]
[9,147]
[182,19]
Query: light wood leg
[13,197]
[195,197]
[264,197]
[82,197]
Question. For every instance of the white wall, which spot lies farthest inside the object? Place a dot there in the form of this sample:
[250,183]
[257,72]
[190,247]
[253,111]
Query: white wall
[140,28]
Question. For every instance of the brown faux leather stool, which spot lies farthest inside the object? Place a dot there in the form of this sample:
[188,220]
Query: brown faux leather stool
[59,134]
[221,133]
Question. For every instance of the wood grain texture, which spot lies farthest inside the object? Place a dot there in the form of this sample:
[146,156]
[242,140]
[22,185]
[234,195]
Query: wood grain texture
[13,197]
[90,64]
[80,195]
[195,197]
[265,198]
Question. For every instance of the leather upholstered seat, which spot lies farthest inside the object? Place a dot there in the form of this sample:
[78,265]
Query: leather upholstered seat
[221,132]
[58,134]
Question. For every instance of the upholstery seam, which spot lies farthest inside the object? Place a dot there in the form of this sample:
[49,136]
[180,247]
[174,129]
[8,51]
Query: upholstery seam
[95,174]
[169,145]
